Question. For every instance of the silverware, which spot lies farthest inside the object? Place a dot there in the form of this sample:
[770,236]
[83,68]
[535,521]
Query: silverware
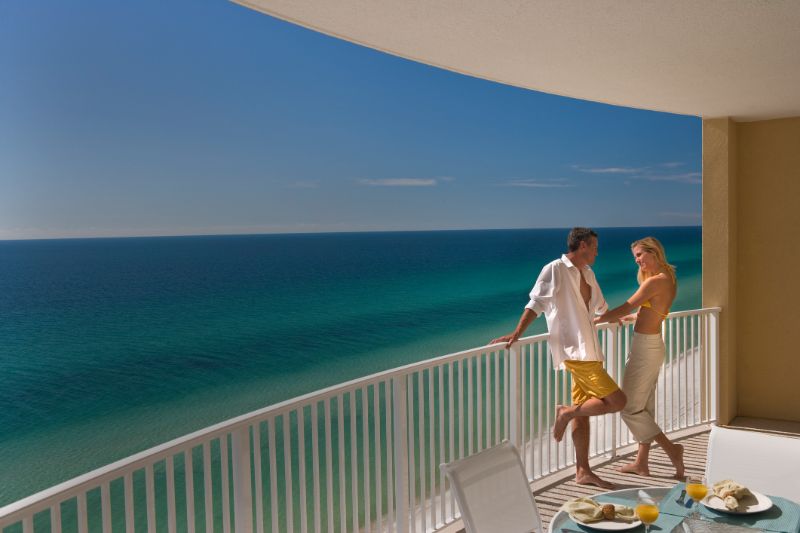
[681,497]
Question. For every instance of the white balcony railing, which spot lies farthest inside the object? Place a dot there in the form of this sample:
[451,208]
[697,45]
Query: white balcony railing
[365,455]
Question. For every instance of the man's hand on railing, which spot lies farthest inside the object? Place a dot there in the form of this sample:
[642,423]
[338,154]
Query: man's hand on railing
[528,316]
[600,319]
[509,339]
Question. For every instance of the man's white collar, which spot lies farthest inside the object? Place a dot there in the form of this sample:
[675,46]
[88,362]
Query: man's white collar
[569,263]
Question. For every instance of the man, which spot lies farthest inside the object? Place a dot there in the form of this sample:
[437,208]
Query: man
[569,296]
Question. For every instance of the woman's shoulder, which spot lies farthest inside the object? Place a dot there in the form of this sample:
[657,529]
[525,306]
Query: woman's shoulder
[661,281]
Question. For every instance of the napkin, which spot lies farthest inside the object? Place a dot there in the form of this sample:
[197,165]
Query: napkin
[730,492]
[645,497]
[588,511]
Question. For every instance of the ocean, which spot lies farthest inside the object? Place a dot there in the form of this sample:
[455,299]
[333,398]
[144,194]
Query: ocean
[111,346]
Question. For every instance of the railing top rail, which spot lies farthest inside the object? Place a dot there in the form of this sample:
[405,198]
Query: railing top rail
[703,311]
[44,499]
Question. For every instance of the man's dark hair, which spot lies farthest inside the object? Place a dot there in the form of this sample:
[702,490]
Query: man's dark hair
[577,236]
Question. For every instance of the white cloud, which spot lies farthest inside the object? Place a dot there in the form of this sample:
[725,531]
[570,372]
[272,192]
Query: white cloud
[535,183]
[649,173]
[694,178]
[607,170]
[399,182]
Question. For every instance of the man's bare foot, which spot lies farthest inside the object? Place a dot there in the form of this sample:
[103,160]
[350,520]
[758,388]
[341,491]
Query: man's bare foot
[677,462]
[591,478]
[635,468]
[562,419]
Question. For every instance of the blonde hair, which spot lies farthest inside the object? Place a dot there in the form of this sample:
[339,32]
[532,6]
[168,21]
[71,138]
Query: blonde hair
[652,245]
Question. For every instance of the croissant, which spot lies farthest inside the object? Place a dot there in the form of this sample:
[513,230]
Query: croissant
[730,493]
[731,502]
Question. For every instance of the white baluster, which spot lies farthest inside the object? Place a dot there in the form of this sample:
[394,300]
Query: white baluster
[342,475]
[150,492]
[301,459]
[329,461]
[189,476]
[208,495]
[259,498]
[388,406]
[288,492]
[315,466]
[171,520]
[365,457]
[714,359]
[376,410]
[242,493]
[616,356]
[55,518]
[514,397]
[273,473]
[83,523]
[128,485]
[401,438]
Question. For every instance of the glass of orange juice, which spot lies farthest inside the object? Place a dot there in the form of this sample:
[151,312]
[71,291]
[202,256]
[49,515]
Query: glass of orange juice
[647,512]
[697,489]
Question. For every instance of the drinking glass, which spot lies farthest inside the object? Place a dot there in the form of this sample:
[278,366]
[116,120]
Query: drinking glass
[647,511]
[697,489]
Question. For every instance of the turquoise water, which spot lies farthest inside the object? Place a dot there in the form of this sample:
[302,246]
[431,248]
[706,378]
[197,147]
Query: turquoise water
[110,346]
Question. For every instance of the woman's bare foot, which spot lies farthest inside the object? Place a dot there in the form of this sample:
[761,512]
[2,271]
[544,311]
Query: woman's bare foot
[590,478]
[562,419]
[635,468]
[677,461]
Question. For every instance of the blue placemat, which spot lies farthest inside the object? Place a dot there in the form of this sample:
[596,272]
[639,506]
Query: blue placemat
[784,516]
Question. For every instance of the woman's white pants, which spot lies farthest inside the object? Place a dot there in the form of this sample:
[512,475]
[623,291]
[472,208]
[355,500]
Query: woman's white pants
[639,385]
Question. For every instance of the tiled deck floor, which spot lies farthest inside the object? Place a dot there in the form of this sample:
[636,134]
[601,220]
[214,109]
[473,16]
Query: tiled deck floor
[550,499]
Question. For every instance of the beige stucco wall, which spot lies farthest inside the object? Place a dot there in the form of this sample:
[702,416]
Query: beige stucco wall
[751,255]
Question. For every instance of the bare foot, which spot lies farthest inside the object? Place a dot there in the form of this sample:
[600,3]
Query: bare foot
[677,462]
[562,419]
[592,479]
[635,468]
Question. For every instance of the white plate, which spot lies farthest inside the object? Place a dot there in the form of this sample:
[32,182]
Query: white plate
[748,505]
[610,525]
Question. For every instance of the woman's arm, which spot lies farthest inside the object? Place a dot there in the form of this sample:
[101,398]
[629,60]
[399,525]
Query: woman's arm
[616,314]
[645,292]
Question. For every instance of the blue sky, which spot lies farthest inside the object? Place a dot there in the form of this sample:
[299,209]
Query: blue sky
[202,117]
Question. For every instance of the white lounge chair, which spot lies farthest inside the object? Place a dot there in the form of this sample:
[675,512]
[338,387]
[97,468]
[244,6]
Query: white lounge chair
[492,492]
[765,462]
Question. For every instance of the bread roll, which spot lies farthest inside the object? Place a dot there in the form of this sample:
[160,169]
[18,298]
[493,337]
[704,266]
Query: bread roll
[608,511]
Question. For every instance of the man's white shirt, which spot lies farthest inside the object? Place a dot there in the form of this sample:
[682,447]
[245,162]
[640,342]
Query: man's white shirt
[557,295]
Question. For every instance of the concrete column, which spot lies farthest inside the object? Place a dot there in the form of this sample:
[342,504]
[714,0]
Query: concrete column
[720,248]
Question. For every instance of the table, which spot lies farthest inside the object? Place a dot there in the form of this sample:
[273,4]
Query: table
[784,517]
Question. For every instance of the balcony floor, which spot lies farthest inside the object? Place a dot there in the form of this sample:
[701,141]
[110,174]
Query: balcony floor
[550,499]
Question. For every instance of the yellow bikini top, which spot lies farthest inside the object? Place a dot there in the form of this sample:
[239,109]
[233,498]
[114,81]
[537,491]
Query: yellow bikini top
[649,306]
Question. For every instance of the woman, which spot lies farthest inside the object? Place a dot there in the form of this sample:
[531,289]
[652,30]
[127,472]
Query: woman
[657,289]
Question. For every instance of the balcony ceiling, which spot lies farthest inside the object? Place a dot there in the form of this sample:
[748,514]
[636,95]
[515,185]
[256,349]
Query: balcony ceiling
[710,58]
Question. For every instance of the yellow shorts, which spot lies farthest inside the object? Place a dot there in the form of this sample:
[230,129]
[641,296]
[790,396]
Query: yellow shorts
[589,380]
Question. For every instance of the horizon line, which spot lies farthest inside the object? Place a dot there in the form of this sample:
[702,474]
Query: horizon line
[331,232]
